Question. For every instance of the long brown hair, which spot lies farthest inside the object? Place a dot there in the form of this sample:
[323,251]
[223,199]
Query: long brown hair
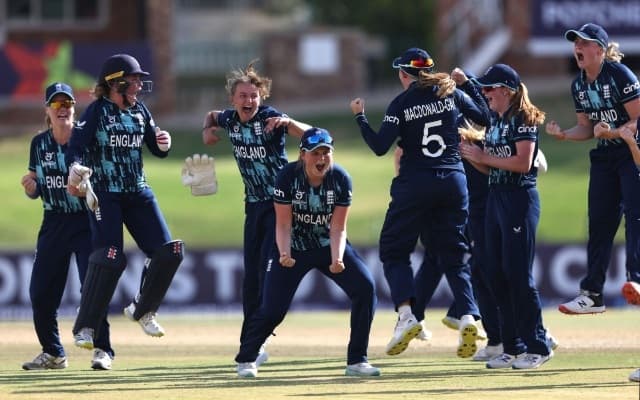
[249,75]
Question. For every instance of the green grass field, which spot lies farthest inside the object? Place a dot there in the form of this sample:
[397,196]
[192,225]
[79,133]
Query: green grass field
[217,221]
[307,357]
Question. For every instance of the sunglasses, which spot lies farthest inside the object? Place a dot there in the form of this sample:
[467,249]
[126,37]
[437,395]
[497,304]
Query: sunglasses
[315,139]
[56,105]
[421,63]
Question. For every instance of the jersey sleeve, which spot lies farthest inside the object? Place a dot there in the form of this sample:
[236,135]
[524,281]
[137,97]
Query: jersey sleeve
[381,141]
[224,118]
[284,183]
[628,81]
[82,134]
[345,194]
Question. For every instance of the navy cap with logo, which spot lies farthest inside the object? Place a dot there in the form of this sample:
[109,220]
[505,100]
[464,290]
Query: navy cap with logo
[591,32]
[413,60]
[314,138]
[119,65]
[499,75]
[57,88]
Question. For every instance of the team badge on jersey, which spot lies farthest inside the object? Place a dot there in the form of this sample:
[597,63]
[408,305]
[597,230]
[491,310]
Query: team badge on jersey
[331,197]
[299,198]
[257,128]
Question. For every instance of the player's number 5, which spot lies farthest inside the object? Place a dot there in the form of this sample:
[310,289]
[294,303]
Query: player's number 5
[427,139]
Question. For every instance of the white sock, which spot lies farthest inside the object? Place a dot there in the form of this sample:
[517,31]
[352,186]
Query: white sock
[404,311]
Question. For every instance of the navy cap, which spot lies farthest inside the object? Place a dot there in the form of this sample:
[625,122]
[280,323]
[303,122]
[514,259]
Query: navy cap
[119,65]
[57,88]
[314,138]
[591,32]
[499,75]
[413,60]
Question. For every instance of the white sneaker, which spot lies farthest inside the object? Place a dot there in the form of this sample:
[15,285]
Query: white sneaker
[148,322]
[424,334]
[362,369]
[488,352]
[585,303]
[552,342]
[263,356]
[504,360]
[247,370]
[635,376]
[468,335]
[45,361]
[531,361]
[407,328]
[101,359]
[84,338]
[454,323]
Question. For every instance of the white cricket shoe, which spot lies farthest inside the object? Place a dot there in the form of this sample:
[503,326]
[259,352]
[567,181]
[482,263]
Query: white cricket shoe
[425,334]
[468,335]
[488,352]
[84,338]
[148,322]
[361,369]
[247,370]
[101,359]
[454,323]
[635,376]
[531,361]
[585,303]
[631,292]
[45,361]
[263,356]
[552,342]
[407,328]
[504,360]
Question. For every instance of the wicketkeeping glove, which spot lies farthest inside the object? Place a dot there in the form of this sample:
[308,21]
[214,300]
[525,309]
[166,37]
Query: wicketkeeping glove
[199,172]
[77,173]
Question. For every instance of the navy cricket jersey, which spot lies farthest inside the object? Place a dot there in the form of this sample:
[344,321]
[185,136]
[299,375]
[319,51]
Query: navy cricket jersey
[109,141]
[500,141]
[47,160]
[259,155]
[312,206]
[426,125]
[604,98]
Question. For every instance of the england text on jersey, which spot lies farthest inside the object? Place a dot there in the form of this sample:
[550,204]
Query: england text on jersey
[125,140]
[313,219]
[250,152]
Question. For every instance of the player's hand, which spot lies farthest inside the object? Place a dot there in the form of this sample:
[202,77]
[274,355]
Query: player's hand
[627,134]
[602,130]
[541,162]
[458,76]
[77,173]
[276,122]
[336,267]
[471,152]
[357,105]
[163,139]
[554,130]
[286,260]
[199,172]
[29,184]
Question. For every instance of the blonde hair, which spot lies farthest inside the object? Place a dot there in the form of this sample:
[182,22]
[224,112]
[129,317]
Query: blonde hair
[613,53]
[522,104]
[249,75]
[446,85]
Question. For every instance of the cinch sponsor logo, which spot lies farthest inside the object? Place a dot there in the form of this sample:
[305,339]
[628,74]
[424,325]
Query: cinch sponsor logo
[527,129]
[630,88]
[391,119]
[278,192]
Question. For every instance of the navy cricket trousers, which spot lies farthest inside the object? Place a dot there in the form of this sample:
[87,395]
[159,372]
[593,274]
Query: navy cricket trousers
[432,205]
[614,189]
[60,236]
[281,283]
[511,222]
[259,242]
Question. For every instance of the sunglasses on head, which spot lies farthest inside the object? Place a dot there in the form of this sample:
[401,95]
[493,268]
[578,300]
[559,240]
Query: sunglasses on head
[420,63]
[56,105]
[316,138]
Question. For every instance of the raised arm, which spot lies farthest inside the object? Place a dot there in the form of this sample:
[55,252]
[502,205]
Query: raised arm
[209,127]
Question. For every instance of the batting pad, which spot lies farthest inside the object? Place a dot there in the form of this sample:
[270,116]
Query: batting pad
[160,272]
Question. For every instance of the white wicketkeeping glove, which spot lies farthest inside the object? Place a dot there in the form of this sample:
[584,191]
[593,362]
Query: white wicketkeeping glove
[77,173]
[90,196]
[199,172]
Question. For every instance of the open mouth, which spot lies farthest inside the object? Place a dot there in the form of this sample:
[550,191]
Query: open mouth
[320,167]
[579,56]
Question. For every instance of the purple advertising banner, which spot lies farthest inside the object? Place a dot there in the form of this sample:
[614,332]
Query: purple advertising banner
[210,280]
[550,19]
